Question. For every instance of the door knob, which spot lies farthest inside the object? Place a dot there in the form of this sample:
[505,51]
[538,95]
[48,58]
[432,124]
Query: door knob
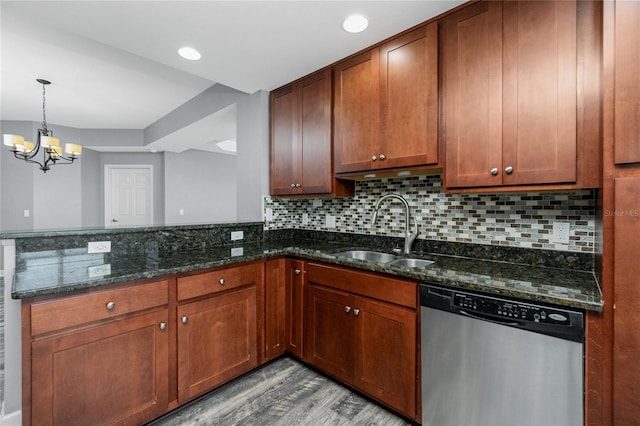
[221,281]
[382,157]
[508,170]
[297,271]
[356,312]
[185,319]
[347,309]
[111,306]
[374,158]
[163,326]
[494,171]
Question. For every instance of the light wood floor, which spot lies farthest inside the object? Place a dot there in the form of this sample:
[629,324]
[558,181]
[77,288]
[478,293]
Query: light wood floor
[284,392]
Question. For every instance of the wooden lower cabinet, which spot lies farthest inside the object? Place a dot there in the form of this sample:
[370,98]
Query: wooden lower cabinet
[112,371]
[275,309]
[217,341]
[294,306]
[364,341]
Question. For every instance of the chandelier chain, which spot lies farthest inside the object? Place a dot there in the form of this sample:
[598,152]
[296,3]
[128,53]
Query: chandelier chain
[44,112]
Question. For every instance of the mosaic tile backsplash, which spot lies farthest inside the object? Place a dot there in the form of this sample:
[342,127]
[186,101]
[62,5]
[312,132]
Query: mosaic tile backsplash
[522,219]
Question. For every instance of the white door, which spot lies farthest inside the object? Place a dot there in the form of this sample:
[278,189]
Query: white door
[128,195]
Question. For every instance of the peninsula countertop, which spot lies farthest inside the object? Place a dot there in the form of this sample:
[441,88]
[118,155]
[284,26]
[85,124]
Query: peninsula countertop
[64,270]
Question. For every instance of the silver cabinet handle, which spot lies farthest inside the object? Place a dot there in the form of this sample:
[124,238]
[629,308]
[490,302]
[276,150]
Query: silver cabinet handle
[185,319]
[374,158]
[494,171]
[347,309]
[356,312]
[298,185]
[382,157]
[163,326]
[221,281]
[297,271]
[111,306]
[508,170]
[293,185]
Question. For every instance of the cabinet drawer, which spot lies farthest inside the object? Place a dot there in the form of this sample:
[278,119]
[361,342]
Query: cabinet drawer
[217,281]
[72,311]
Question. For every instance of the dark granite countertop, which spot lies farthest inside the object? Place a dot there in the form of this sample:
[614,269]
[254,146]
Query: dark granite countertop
[64,270]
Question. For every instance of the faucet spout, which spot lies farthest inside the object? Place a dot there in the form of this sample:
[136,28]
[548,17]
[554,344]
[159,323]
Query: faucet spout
[409,236]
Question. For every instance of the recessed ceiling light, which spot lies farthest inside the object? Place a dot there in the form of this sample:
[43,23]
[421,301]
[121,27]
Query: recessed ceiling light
[355,24]
[189,53]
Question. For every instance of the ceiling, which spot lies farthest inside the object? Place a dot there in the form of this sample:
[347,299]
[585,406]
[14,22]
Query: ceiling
[113,64]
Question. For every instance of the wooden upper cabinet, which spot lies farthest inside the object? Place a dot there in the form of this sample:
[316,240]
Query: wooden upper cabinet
[521,94]
[409,99]
[357,111]
[386,105]
[539,92]
[285,147]
[626,82]
[301,139]
[472,91]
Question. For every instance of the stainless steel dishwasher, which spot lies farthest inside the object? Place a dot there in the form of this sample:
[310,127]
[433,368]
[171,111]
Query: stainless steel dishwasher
[491,361]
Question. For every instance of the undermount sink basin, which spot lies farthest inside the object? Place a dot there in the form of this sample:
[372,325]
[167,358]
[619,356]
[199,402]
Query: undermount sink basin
[385,258]
[370,256]
[411,263]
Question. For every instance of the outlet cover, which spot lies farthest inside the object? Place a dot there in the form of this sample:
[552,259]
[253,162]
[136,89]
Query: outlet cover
[99,247]
[560,233]
[305,218]
[237,235]
[317,203]
[237,251]
[99,270]
[330,221]
[268,213]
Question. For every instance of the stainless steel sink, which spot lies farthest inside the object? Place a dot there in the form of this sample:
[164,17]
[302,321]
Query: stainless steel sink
[370,256]
[411,262]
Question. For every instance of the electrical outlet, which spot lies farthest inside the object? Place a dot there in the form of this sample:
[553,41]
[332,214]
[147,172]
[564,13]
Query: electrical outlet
[27,213]
[181,212]
[330,221]
[237,235]
[99,270]
[99,247]
[237,251]
[317,203]
[268,213]
[560,232]
[305,218]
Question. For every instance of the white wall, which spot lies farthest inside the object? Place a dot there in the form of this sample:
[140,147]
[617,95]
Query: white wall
[253,155]
[202,184]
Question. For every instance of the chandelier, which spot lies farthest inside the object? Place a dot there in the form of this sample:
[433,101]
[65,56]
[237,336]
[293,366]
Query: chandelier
[52,152]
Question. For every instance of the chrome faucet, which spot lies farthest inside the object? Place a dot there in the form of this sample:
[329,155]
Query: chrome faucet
[409,237]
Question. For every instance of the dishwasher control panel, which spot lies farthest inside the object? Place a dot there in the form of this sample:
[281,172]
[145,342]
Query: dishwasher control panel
[509,309]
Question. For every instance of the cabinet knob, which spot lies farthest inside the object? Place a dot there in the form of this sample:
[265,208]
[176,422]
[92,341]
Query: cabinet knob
[293,185]
[356,312]
[347,309]
[185,319]
[298,185]
[163,326]
[374,158]
[508,170]
[111,306]
[221,281]
[297,271]
[382,157]
[494,171]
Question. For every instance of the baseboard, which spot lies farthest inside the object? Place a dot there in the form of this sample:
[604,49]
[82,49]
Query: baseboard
[12,419]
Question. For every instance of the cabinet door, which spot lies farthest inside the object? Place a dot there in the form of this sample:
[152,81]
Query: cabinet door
[409,99]
[275,308]
[539,92]
[626,316]
[357,112]
[217,341]
[109,373]
[295,306]
[626,82]
[317,173]
[329,331]
[472,91]
[286,155]
[385,353]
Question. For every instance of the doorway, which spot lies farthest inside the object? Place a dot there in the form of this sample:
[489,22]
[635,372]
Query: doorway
[128,195]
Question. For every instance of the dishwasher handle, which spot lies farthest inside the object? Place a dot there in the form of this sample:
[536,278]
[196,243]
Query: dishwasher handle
[491,318]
